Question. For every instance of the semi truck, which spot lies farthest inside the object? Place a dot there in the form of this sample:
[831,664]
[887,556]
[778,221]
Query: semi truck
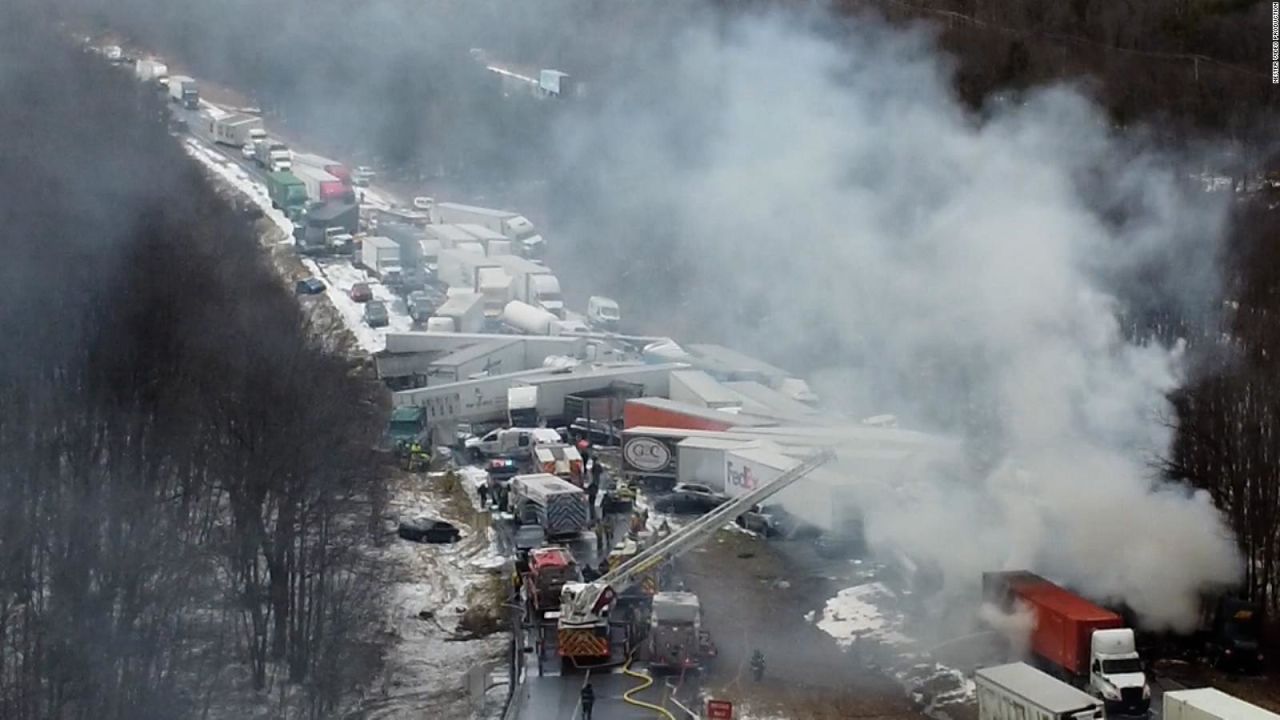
[473,272]
[287,193]
[381,256]
[1075,639]
[533,284]
[1018,691]
[322,186]
[466,310]
[272,155]
[1210,704]
[513,226]
[150,70]
[557,505]
[529,319]
[236,130]
[319,162]
[183,90]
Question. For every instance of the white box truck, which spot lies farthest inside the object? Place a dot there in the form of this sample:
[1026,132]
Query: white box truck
[150,70]
[1211,704]
[484,236]
[448,235]
[1018,691]
[513,226]
[380,256]
[533,284]
[236,130]
[466,310]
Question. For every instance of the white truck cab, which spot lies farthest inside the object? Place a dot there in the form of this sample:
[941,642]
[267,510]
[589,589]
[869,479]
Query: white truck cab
[1116,674]
[603,312]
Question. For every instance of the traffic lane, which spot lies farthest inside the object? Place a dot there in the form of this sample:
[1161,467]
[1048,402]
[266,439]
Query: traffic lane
[561,697]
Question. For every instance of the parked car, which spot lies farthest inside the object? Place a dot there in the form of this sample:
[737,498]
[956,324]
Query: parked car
[597,432]
[690,498]
[360,292]
[247,152]
[421,304]
[310,286]
[429,530]
[773,520]
[375,314]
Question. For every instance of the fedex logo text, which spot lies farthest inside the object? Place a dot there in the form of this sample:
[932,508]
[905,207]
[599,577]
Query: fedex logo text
[740,477]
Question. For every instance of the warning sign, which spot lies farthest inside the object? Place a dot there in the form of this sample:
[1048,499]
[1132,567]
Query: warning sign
[719,710]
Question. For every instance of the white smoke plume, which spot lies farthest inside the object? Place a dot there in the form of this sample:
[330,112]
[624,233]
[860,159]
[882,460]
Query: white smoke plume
[1016,626]
[831,200]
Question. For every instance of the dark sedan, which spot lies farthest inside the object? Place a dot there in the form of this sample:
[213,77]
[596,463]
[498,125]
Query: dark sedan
[428,530]
[689,498]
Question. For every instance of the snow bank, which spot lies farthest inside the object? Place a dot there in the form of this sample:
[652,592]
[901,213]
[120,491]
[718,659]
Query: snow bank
[339,275]
[853,615]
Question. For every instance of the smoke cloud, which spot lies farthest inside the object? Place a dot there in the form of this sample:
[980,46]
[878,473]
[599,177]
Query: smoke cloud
[811,191]
[829,204]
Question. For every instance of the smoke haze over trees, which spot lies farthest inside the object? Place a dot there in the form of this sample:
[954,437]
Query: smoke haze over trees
[182,464]
[770,199]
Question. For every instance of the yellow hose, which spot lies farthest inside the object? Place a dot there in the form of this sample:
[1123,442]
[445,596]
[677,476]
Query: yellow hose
[626,696]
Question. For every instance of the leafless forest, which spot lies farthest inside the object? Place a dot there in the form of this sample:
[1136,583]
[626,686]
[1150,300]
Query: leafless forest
[182,465]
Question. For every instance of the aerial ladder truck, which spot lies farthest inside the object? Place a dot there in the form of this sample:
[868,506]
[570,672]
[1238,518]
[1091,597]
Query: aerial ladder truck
[583,626]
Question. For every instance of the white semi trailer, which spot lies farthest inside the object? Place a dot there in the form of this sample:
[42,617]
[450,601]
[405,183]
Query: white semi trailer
[1017,691]
[1211,704]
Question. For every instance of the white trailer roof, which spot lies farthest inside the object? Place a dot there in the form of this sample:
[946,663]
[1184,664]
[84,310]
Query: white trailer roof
[382,243]
[449,233]
[1040,688]
[706,389]
[460,303]
[1220,704]
[543,485]
[314,160]
[480,232]
[476,209]
[315,173]
[474,352]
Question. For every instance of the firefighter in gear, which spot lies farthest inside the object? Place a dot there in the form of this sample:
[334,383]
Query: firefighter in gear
[418,460]
[757,666]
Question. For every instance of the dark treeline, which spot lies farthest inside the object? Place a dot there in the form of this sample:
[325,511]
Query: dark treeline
[1187,66]
[181,465]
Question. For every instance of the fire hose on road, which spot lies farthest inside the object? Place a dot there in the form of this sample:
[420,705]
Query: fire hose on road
[648,682]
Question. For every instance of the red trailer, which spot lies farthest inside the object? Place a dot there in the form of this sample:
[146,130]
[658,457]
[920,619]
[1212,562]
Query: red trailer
[664,413]
[1065,622]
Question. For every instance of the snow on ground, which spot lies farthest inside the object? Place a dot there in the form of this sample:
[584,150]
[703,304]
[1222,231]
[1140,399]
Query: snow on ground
[853,615]
[425,669]
[339,275]
[862,619]
[241,180]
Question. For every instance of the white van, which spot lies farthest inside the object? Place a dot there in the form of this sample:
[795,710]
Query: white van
[511,442]
[603,312]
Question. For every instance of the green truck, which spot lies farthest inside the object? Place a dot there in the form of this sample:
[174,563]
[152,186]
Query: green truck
[408,424]
[287,193]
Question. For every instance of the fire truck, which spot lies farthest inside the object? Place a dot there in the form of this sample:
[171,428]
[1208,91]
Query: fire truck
[583,636]
[549,569]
